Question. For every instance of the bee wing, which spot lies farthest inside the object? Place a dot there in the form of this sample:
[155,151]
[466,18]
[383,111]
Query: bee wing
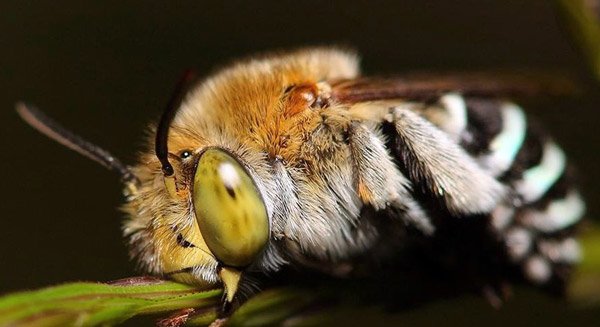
[423,87]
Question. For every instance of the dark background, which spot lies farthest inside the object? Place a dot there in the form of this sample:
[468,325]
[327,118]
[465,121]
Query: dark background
[106,70]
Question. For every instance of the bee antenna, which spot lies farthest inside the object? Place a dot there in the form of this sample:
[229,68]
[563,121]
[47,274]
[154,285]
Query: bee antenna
[47,126]
[162,132]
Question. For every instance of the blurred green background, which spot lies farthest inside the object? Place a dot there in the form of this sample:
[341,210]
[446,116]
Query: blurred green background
[106,69]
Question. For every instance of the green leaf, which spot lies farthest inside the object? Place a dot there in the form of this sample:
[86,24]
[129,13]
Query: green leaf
[88,304]
[91,304]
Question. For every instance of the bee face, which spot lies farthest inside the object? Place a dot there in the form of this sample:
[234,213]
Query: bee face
[211,229]
[217,217]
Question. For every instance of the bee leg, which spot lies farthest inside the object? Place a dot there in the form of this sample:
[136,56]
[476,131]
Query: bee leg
[378,181]
[179,318]
[440,167]
[219,322]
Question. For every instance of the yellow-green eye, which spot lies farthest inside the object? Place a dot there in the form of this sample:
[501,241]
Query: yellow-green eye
[229,208]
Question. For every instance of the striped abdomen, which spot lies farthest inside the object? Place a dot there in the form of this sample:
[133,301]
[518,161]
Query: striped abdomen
[535,223]
[537,229]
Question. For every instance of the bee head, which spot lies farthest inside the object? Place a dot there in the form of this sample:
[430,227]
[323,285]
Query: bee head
[229,209]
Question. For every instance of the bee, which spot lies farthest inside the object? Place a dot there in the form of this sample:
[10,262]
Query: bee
[295,159]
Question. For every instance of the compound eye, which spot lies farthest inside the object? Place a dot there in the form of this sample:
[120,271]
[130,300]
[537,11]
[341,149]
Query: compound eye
[229,208]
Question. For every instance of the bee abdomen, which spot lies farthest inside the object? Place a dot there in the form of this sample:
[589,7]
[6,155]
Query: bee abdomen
[536,223]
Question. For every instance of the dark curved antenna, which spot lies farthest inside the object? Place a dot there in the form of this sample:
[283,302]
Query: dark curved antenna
[47,126]
[162,132]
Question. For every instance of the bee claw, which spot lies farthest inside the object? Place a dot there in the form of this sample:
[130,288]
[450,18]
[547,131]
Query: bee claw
[179,318]
[219,322]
